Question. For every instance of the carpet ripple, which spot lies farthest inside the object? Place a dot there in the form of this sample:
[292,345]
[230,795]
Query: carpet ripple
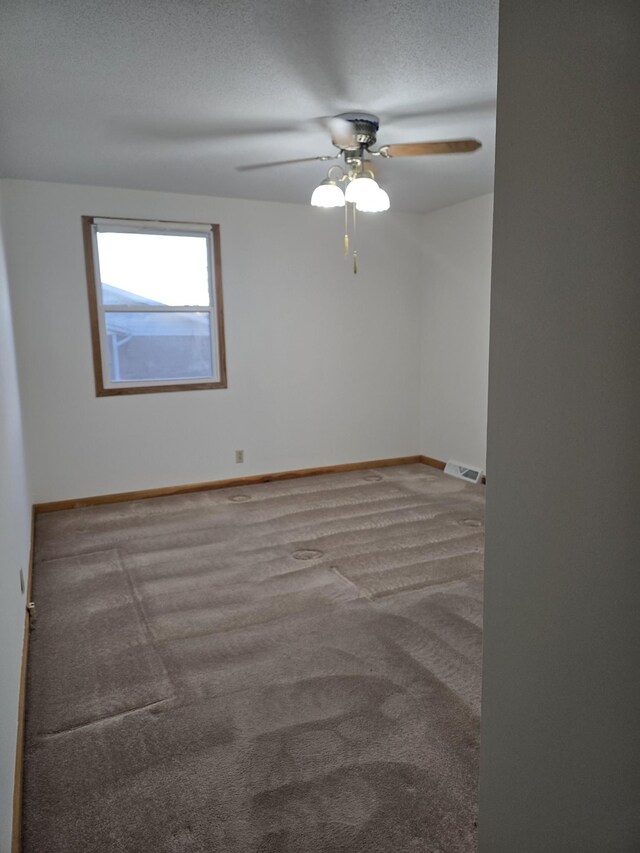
[296,671]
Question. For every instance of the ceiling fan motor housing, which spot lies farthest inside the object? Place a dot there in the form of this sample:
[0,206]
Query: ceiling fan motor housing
[365,126]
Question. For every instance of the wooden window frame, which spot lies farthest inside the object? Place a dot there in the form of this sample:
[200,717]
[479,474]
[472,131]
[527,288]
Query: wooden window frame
[96,309]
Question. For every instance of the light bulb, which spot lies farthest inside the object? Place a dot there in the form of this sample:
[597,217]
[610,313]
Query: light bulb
[374,203]
[327,194]
[360,189]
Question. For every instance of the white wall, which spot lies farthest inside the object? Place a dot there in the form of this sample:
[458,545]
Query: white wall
[455,331]
[15,534]
[560,762]
[322,364]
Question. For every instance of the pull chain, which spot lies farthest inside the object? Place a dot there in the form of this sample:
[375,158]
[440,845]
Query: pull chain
[346,231]
[355,250]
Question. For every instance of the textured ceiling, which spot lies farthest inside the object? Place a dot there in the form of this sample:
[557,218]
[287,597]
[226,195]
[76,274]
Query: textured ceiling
[173,96]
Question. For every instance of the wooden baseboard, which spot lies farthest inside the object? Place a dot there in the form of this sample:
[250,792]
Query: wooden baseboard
[16,832]
[235,482]
[435,463]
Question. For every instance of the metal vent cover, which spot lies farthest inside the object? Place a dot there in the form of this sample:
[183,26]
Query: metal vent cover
[463,472]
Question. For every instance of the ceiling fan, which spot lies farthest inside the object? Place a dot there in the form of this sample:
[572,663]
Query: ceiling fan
[354,134]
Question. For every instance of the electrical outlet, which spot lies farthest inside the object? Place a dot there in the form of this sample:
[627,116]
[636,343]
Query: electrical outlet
[239,455]
[21,581]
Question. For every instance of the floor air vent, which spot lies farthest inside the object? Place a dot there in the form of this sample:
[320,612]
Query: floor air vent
[463,472]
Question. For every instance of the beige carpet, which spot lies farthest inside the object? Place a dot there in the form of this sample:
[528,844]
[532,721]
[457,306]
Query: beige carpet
[291,667]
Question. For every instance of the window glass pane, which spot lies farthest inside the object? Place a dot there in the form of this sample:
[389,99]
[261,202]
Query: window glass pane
[159,345]
[153,269]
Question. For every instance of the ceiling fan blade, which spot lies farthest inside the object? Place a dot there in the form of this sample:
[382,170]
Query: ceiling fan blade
[432,112]
[285,162]
[417,149]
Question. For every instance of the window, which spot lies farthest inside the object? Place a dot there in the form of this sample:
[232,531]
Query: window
[155,300]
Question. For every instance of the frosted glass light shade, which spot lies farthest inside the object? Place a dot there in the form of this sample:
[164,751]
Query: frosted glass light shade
[327,194]
[360,189]
[375,203]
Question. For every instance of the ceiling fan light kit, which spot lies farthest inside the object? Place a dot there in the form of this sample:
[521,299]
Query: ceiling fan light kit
[361,188]
[376,203]
[327,194]
[353,134]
